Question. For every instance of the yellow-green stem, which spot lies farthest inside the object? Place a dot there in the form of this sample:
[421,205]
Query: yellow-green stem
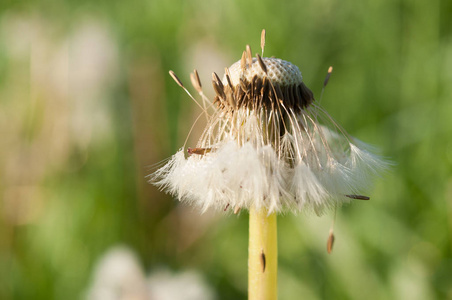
[262,256]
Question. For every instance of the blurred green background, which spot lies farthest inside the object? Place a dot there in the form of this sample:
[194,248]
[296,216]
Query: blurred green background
[87,108]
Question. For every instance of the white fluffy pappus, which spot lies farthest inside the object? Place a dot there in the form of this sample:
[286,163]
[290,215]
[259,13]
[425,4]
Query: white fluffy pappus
[264,147]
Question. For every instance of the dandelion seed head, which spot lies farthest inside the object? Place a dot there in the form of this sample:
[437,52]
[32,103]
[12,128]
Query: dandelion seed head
[267,144]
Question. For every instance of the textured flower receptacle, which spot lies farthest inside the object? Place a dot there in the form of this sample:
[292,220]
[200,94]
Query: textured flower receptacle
[278,71]
[264,147]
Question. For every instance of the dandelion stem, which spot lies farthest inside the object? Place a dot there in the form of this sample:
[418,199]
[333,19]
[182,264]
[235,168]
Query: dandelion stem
[262,256]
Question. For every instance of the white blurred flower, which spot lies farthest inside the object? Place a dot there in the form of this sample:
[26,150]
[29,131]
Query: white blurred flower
[186,285]
[118,276]
[264,146]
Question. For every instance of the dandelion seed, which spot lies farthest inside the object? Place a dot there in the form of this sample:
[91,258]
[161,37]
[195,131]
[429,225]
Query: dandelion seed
[194,77]
[176,79]
[200,151]
[249,55]
[330,242]
[243,61]
[358,197]
[274,147]
[261,63]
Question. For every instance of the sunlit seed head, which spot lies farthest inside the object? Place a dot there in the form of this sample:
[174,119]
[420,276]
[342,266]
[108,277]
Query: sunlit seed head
[264,145]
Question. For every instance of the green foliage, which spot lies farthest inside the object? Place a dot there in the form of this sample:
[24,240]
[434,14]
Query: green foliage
[76,146]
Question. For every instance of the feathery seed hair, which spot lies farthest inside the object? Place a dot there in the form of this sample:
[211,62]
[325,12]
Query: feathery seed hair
[264,145]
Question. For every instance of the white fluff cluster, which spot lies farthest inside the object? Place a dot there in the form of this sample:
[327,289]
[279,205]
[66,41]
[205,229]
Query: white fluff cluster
[277,158]
[310,170]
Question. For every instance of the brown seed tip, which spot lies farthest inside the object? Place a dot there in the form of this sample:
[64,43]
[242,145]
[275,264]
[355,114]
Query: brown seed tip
[218,86]
[249,55]
[217,80]
[330,242]
[261,63]
[263,41]
[173,75]
[243,62]
[358,197]
[228,77]
[199,151]
[237,209]
[194,77]
[197,77]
